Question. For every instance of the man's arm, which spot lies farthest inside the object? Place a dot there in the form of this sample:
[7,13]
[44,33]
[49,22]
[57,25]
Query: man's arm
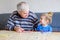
[17,27]
[10,24]
[35,22]
[13,24]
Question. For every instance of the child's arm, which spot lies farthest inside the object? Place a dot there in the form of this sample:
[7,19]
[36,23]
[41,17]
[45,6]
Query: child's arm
[50,29]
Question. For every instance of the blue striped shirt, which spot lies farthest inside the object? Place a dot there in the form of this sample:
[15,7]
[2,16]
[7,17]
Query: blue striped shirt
[26,23]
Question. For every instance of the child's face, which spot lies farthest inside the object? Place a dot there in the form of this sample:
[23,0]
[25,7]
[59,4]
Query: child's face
[43,20]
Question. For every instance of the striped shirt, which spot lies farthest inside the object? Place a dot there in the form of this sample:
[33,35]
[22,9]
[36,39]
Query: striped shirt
[26,23]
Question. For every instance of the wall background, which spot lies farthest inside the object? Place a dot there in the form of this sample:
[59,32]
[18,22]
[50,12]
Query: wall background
[7,6]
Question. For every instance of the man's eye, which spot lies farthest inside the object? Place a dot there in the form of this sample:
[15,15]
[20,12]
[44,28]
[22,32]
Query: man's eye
[24,13]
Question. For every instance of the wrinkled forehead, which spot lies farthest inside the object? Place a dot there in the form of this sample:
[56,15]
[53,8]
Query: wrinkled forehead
[24,11]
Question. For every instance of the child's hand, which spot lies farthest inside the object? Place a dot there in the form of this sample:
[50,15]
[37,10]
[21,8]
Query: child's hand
[18,29]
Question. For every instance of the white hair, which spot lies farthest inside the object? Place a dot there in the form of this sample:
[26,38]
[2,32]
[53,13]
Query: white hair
[22,6]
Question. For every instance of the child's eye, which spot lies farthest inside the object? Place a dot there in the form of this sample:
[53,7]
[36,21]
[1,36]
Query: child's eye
[41,18]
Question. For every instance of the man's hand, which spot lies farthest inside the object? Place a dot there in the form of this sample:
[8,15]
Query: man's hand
[18,29]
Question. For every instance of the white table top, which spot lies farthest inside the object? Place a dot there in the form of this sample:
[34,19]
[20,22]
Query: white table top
[11,35]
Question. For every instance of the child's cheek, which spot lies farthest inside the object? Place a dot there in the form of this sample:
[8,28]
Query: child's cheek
[43,21]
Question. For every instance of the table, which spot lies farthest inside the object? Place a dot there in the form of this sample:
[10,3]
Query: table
[11,35]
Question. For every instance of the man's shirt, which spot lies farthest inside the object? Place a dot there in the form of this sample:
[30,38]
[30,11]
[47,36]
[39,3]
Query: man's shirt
[26,23]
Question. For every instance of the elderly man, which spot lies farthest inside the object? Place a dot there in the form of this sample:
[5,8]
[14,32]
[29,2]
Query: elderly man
[22,19]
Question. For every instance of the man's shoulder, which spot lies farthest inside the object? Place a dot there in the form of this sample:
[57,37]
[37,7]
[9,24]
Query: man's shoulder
[33,14]
[14,13]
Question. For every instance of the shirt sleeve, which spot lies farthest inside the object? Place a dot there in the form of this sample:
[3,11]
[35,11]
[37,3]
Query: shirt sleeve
[50,29]
[38,28]
[35,22]
[12,22]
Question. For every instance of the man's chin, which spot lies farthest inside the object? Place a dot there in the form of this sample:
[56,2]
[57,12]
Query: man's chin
[25,17]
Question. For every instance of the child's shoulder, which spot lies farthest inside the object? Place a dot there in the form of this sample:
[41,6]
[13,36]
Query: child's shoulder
[49,26]
[39,24]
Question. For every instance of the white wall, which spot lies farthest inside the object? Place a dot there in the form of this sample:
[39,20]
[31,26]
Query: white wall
[4,6]
[7,6]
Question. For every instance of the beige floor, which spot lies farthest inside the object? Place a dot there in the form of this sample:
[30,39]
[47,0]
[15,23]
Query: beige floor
[11,35]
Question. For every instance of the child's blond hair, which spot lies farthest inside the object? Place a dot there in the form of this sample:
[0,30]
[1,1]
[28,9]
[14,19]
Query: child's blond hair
[48,16]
